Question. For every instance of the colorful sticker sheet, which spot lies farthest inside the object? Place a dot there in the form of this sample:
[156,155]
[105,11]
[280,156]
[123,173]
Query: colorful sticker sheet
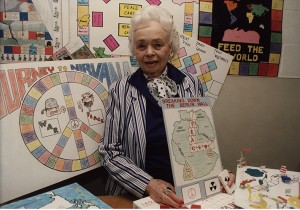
[251,31]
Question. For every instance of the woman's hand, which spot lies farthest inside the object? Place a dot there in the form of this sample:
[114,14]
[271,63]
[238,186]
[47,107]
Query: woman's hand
[230,181]
[231,178]
[163,193]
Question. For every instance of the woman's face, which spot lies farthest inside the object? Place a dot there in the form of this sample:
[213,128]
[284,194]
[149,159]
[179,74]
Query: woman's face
[152,48]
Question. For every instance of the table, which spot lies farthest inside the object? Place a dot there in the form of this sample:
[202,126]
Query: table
[118,201]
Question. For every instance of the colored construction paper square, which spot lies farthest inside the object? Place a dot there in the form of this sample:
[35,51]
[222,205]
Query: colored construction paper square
[276,25]
[83,2]
[177,63]
[191,69]
[274,58]
[205,31]
[48,50]
[123,29]
[85,38]
[275,48]
[212,65]
[97,19]
[32,35]
[262,69]
[196,58]
[154,2]
[244,68]
[189,8]
[207,77]
[16,49]
[188,18]
[8,49]
[24,16]
[205,17]
[126,11]
[206,40]
[204,68]
[234,68]
[277,4]
[182,52]
[188,61]
[205,6]
[253,69]
[276,15]
[276,37]
[47,36]
[188,27]
[111,43]
[273,70]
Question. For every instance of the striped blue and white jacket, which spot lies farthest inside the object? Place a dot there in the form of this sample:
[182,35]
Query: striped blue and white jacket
[123,148]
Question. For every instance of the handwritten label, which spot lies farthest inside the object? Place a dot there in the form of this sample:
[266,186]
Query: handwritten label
[128,10]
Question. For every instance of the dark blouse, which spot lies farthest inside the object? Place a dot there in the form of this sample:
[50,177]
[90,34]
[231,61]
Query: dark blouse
[157,162]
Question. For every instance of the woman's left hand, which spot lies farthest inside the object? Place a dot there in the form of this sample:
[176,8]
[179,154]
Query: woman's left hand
[230,182]
[231,178]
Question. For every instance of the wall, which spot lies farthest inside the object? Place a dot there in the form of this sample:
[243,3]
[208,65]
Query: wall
[261,114]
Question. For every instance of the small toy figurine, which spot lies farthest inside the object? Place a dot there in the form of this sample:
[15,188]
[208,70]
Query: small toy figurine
[242,161]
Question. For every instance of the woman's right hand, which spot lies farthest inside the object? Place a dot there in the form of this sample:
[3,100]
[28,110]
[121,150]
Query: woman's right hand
[163,193]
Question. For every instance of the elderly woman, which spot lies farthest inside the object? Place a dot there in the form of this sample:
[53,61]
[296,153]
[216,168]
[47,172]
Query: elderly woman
[135,149]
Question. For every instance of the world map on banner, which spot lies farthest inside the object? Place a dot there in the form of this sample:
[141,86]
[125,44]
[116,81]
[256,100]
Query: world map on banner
[250,31]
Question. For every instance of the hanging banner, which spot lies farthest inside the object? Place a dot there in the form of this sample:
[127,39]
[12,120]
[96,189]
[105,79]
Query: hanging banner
[249,30]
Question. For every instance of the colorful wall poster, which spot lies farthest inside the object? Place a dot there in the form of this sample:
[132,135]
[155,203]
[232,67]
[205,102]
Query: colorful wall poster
[104,24]
[72,196]
[52,118]
[207,63]
[23,35]
[193,147]
[55,15]
[265,188]
[75,49]
[251,31]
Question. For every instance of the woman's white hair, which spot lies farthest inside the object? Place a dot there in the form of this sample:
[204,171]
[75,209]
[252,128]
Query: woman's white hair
[159,14]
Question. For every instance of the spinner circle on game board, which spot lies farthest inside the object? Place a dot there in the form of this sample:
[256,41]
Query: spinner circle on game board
[62,120]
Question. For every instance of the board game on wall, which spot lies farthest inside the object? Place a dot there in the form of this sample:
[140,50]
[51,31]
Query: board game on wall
[193,147]
[52,118]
